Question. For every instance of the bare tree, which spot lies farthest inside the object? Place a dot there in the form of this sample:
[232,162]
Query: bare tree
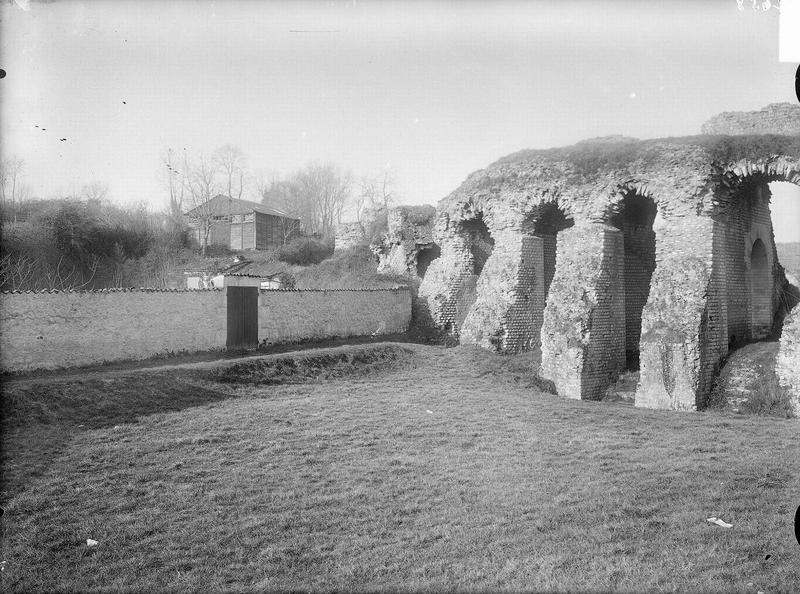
[25,273]
[290,228]
[202,185]
[233,169]
[174,177]
[322,192]
[10,171]
[71,279]
[316,194]
[375,193]
[95,191]
[283,196]
[279,194]
[17,272]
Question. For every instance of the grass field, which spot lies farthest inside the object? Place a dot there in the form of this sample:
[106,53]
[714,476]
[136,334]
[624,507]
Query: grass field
[414,468]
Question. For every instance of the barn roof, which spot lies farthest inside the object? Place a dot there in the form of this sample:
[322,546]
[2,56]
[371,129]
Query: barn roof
[221,205]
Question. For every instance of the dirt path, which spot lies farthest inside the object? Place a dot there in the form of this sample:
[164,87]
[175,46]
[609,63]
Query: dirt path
[204,360]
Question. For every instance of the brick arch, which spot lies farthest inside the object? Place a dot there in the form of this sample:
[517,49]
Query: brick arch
[634,215]
[760,280]
[541,227]
[743,214]
[479,240]
[764,170]
[623,191]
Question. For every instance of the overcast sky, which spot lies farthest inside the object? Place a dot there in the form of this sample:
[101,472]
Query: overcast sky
[431,91]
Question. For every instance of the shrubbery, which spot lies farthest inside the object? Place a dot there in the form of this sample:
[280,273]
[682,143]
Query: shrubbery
[305,251]
[353,268]
[377,228]
[69,243]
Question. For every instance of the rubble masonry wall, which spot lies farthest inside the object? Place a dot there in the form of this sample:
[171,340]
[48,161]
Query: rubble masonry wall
[51,330]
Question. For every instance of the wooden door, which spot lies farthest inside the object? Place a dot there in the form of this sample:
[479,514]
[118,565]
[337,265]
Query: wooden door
[242,317]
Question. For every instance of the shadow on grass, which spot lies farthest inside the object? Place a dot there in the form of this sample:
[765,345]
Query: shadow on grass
[41,417]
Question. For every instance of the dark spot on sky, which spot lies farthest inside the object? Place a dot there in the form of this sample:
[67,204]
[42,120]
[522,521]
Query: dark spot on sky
[124,103]
[797,513]
[63,139]
[2,73]
[797,83]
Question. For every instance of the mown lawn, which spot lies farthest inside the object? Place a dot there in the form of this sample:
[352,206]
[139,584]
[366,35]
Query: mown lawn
[453,473]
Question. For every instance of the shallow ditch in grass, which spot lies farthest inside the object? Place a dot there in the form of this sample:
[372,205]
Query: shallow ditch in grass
[41,417]
[310,366]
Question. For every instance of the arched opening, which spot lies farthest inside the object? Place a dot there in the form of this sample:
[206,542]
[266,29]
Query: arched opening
[635,219]
[425,257]
[551,220]
[481,243]
[760,225]
[785,206]
[537,267]
[760,291]
[749,290]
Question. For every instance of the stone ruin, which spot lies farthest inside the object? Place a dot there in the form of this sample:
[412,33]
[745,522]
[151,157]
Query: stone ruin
[616,254]
[349,235]
[401,238]
[407,246]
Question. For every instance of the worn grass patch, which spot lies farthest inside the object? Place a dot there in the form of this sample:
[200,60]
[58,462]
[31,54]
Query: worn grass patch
[316,365]
[441,476]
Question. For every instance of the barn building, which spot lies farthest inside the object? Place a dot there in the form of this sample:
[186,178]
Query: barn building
[241,224]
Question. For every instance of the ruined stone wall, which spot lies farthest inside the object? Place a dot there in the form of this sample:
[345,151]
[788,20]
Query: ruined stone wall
[549,249]
[64,329]
[289,316]
[500,271]
[674,290]
[409,233]
[777,118]
[787,366]
[583,335]
[523,323]
[713,333]
[448,290]
[349,235]
[673,371]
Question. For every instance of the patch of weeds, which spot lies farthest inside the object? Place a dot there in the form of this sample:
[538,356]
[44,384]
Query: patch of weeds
[298,368]
[624,389]
[521,368]
[768,398]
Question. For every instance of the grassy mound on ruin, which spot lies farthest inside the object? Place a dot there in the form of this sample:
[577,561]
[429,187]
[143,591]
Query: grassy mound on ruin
[596,155]
[748,384]
[353,268]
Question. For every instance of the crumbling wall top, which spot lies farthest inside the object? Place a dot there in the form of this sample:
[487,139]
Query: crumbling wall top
[587,179]
[777,118]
